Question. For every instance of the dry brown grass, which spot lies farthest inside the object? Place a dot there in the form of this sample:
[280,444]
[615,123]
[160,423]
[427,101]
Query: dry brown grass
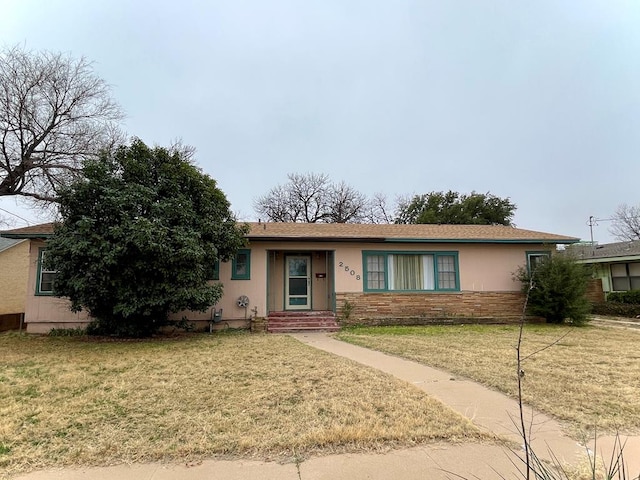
[76,402]
[591,377]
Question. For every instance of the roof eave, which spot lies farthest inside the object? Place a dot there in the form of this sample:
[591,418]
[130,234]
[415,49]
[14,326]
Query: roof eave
[411,240]
[27,235]
[610,259]
[483,240]
[313,239]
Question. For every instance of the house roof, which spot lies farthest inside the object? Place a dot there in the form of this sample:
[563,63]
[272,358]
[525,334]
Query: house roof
[42,230]
[357,232]
[6,243]
[401,233]
[587,253]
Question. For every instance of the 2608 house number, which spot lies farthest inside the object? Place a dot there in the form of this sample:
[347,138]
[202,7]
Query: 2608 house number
[348,270]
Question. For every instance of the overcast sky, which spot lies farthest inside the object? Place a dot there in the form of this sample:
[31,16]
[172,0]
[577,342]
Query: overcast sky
[538,101]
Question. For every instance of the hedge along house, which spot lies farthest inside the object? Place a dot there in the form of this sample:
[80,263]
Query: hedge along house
[298,275]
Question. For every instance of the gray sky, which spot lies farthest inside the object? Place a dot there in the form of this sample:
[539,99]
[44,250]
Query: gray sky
[538,101]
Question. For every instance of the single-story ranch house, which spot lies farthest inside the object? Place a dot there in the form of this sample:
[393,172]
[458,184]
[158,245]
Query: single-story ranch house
[360,273]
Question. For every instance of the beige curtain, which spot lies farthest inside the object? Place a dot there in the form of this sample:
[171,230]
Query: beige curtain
[408,272]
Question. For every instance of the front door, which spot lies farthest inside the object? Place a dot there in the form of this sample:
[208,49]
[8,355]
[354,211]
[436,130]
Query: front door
[298,283]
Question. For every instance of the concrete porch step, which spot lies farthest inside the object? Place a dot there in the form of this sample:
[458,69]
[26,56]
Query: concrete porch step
[289,329]
[302,313]
[280,322]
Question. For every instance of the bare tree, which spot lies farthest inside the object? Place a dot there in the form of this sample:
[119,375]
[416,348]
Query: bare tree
[54,112]
[626,223]
[347,205]
[303,199]
[312,198]
[378,210]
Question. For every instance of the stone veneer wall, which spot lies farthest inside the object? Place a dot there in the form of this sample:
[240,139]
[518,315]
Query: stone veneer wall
[595,292]
[421,308]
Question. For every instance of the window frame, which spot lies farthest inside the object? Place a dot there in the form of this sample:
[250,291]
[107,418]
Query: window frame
[536,253]
[628,277]
[386,253]
[234,265]
[215,271]
[41,270]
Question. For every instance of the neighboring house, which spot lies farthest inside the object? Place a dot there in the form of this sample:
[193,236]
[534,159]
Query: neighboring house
[14,273]
[380,272]
[616,264]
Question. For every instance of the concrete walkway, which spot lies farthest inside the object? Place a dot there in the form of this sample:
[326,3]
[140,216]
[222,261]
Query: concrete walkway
[434,462]
[486,408]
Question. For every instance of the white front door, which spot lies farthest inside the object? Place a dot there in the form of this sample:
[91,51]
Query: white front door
[298,283]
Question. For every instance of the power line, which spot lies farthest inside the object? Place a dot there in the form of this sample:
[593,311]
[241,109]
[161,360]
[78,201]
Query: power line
[15,215]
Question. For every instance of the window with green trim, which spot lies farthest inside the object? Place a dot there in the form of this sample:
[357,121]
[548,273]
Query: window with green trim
[534,259]
[241,265]
[214,272]
[46,276]
[410,271]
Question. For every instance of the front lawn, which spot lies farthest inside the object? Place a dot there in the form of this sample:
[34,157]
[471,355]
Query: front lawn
[69,401]
[589,377]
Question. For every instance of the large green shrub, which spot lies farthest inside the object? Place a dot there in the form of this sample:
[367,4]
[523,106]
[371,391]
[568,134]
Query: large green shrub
[557,289]
[139,236]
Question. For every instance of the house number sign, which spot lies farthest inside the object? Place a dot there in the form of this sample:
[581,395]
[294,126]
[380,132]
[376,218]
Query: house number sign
[349,270]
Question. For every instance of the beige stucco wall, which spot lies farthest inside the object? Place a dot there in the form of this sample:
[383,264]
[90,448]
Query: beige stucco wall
[490,267]
[254,288]
[14,274]
[483,268]
[44,312]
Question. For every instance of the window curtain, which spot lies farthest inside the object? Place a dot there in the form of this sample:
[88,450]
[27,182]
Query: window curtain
[406,272]
[429,272]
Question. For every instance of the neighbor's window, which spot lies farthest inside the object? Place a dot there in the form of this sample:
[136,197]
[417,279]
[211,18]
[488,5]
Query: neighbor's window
[534,259]
[400,271]
[46,276]
[625,276]
[241,266]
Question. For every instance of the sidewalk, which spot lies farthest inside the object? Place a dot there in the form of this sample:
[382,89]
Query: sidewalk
[486,408]
[433,462]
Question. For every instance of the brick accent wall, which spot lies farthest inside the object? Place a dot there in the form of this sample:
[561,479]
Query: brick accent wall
[595,292]
[419,308]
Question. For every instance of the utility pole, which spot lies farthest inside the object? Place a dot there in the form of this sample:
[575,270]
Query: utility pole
[593,221]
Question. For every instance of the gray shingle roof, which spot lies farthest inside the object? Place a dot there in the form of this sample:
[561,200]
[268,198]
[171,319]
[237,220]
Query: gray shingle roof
[7,243]
[606,250]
